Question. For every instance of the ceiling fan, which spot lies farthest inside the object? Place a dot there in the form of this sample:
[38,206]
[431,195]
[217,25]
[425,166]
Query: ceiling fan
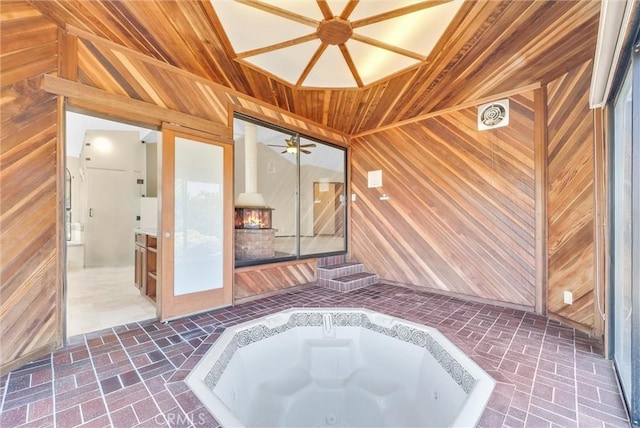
[292,146]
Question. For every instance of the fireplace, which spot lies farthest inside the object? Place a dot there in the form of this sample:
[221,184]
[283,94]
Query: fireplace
[254,235]
[253,218]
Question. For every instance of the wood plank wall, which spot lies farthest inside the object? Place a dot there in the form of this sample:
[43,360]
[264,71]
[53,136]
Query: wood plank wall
[253,281]
[30,296]
[570,167]
[461,211]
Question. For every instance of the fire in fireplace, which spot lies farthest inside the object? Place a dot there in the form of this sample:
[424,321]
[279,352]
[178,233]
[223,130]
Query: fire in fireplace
[253,218]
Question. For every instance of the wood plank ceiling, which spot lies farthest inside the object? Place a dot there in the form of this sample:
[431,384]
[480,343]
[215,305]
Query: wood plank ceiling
[490,47]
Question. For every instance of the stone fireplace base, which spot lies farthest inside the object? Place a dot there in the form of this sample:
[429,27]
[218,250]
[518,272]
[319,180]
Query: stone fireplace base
[254,244]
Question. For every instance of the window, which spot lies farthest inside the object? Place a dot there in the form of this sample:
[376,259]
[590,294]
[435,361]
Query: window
[622,236]
[289,194]
[625,235]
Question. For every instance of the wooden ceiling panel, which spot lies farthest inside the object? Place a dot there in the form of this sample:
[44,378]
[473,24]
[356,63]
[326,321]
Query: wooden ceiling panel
[500,47]
[491,47]
[168,89]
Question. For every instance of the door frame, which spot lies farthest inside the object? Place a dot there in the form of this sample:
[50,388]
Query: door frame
[634,400]
[168,306]
[66,105]
[630,64]
[80,98]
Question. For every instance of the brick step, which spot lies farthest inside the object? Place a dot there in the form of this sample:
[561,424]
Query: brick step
[338,270]
[332,260]
[349,282]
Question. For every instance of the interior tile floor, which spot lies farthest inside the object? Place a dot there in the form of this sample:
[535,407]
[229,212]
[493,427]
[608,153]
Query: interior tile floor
[99,298]
[548,375]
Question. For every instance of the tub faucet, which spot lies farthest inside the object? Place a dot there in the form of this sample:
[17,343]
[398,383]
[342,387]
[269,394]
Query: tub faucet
[327,326]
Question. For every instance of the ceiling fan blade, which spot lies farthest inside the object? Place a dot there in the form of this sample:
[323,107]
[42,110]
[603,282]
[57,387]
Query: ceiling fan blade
[308,145]
[275,145]
[305,151]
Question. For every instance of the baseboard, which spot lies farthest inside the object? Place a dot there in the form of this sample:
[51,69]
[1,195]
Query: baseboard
[241,300]
[575,325]
[460,296]
[26,359]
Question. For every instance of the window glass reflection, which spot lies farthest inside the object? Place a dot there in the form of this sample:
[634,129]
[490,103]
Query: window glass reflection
[272,220]
[622,236]
[322,200]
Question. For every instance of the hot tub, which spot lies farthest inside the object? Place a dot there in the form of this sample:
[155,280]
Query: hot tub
[338,367]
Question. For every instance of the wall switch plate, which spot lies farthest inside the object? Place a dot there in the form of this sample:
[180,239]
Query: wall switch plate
[567,297]
[353,197]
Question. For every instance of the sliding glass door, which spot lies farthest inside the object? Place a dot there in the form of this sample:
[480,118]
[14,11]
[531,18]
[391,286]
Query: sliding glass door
[290,195]
[196,217]
[322,200]
[625,266]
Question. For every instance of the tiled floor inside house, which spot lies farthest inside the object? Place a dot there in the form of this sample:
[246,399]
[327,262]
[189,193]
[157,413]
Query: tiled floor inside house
[98,298]
[548,375]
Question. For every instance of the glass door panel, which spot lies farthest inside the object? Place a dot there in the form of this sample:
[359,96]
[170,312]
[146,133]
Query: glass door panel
[322,200]
[295,182]
[266,177]
[198,217]
[197,210]
[622,221]
[625,262]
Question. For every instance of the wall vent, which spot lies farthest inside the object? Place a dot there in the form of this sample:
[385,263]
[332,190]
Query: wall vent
[493,115]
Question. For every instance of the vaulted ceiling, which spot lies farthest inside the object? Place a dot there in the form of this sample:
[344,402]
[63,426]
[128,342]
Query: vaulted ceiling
[489,48]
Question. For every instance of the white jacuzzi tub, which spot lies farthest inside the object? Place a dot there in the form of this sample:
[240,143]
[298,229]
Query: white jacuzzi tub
[339,367]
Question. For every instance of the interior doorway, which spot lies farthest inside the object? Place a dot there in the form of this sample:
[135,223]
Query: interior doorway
[328,209]
[110,191]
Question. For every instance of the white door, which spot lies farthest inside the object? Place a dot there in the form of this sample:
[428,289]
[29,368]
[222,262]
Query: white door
[113,202]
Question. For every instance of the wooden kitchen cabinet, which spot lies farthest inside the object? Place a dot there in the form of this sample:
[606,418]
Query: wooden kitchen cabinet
[151,264]
[146,264]
[140,266]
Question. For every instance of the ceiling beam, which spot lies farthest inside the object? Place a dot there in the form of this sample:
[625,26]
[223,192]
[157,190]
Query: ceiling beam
[121,106]
[388,47]
[280,12]
[397,12]
[275,47]
[316,56]
[351,64]
[349,8]
[325,9]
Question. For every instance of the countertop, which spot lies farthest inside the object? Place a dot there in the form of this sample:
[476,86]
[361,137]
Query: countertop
[150,232]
